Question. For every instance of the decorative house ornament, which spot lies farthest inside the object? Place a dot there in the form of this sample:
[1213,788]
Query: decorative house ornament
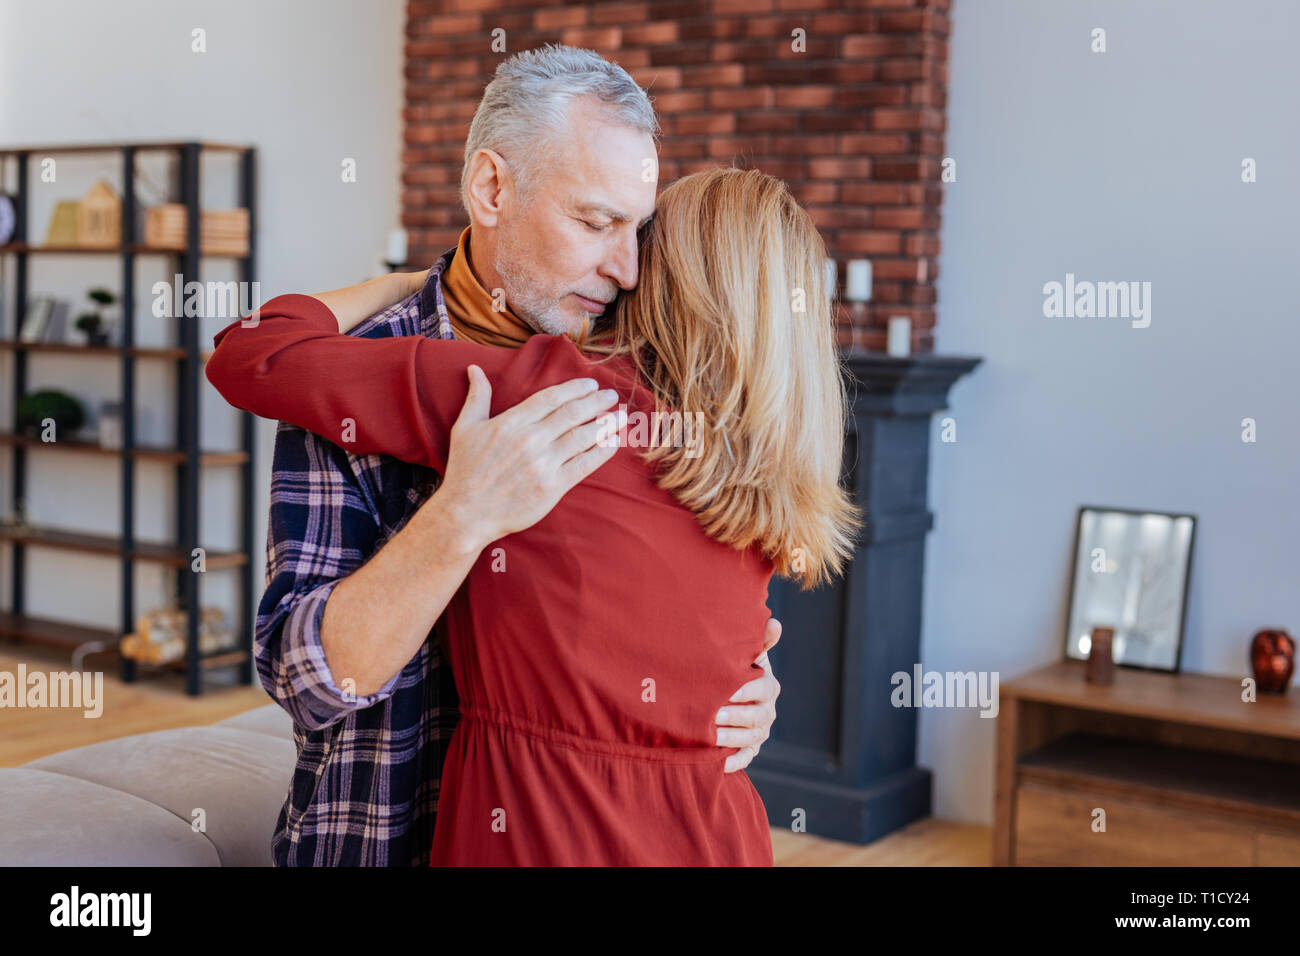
[99,218]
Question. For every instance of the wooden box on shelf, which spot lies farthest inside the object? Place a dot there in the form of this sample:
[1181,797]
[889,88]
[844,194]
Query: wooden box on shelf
[222,232]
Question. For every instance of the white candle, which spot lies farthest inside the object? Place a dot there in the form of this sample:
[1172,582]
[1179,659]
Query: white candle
[898,343]
[832,276]
[858,284]
[397,247]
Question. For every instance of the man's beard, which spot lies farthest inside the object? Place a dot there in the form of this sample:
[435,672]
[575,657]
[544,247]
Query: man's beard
[539,311]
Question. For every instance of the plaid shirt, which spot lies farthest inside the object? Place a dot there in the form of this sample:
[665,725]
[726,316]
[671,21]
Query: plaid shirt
[365,788]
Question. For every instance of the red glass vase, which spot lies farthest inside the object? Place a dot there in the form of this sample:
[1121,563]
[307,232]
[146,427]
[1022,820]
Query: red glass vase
[1272,656]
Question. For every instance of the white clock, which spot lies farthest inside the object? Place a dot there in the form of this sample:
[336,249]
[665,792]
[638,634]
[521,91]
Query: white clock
[8,218]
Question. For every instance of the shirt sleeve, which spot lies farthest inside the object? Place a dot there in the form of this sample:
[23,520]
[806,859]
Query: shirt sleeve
[321,527]
[396,396]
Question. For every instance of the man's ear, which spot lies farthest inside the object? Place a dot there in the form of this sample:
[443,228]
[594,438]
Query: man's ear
[487,186]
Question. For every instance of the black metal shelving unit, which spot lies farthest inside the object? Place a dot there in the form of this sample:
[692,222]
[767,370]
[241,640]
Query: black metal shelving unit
[185,455]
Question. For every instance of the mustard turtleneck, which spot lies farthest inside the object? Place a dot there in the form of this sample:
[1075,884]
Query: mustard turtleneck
[469,305]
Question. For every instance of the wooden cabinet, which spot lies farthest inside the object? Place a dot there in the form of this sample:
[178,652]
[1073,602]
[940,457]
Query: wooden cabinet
[1153,770]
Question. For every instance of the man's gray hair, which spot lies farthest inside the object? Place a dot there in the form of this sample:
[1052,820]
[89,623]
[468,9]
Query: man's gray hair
[527,104]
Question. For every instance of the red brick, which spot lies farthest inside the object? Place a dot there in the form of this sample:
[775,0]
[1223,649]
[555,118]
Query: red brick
[837,217]
[921,245]
[805,97]
[593,38]
[862,72]
[767,26]
[913,69]
[719,28]
[631,59]
[911,118]
[681,101]
[657,77]
[751,145]
[741,6]
[752,97]
[874,143]
[810,193]
[748,51]
[871,46]
[650,33]
[877,194]
[870,243]
[906,217]
[681,54]
[723,74]
[913,170]
[619,13]
[447,25]
[559,18]
[711,124]
[838,168]
[424,175]
[766,121]
[835,121]
[914,21]
[842,23]
[676,148]
[871,96]
[905,269]
[802,145]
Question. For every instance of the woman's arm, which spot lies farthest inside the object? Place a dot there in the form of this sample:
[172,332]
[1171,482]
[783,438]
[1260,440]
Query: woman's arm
[353,304]
[399,396]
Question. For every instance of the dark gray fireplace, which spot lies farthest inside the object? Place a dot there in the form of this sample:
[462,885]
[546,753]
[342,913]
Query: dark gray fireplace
[841,757]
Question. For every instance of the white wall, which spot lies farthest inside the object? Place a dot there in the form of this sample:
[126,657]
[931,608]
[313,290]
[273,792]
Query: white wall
[1117,166]
[308,82]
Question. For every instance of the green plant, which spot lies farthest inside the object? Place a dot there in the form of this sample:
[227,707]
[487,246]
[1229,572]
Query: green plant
[92,323]
[35,407]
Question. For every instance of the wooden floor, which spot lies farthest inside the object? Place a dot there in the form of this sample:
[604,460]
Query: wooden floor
[158,702]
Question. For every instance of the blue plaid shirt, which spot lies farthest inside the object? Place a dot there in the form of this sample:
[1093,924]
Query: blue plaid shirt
[365,787]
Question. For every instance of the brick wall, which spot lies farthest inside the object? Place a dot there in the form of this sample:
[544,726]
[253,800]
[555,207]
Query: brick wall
[854,123]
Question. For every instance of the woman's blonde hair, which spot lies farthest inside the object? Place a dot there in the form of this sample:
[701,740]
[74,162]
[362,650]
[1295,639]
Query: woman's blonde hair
[731,322]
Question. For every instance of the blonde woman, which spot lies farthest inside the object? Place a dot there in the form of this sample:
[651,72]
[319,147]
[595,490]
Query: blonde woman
[583,645]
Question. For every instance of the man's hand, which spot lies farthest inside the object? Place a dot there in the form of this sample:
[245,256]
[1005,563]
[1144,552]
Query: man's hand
[747,721]
[505,474]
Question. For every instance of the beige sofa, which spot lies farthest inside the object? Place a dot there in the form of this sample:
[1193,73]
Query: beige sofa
[133,801]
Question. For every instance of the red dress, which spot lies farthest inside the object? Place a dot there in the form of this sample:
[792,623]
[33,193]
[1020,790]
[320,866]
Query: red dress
[591,651]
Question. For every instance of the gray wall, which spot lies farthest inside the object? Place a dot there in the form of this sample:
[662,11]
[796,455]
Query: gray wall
[1124,165]
[308,84]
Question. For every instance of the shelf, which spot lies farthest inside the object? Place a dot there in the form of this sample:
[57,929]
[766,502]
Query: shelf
[108,544]
[39,630]
[135,248]
[1198,779]
[51,633]
[72,348]
[146,452]
[118,147]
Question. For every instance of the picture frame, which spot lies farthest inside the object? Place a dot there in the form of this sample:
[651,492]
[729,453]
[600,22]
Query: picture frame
[1132,572]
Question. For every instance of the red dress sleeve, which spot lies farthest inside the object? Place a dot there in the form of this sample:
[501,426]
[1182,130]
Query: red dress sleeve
[393,396]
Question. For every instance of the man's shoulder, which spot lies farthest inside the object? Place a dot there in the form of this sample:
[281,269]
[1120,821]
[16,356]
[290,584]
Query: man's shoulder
[402,318]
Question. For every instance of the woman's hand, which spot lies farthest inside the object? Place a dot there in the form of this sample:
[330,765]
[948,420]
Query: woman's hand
[747,721]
